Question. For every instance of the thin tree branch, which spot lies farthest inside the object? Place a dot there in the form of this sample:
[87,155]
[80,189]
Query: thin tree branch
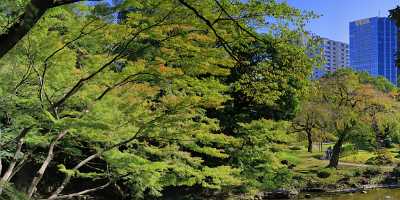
[237,23]
[65,2]
[128,79]
[20,164]
[20,142]
[46,61]
[225,44]
[45,164]
[70,196]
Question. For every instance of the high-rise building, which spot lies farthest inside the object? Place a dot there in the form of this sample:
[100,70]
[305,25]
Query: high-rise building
[336,56]
[373,47]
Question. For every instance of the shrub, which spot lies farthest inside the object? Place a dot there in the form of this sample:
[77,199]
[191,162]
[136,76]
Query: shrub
[383,158]
[348,149]
[295,148]
[388,142]
[276,148]
[372,171]
[324,173]
[357,172]
[396,171]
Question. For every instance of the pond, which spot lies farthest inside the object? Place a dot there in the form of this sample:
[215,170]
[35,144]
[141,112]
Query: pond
[379,194]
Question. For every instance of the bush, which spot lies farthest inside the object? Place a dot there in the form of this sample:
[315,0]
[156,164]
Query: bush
[324,173]
[357,172]
[276,148]
[372,171]
[295,148]
[396,171]
[383,158]
[388,142]
[348,149]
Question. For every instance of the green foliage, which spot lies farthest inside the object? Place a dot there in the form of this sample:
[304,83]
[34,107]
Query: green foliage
[9,192]
[164,99]
[381,83]
[383,158]
[372,171]
[396,172]
[260,167]
[324,173]
[348,149]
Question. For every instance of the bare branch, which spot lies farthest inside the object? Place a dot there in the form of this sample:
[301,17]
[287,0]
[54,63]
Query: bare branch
[20,164]
[70,196]
[20,141]
[45,164]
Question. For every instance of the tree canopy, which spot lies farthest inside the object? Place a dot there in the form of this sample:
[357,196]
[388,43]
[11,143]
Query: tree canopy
[140,98]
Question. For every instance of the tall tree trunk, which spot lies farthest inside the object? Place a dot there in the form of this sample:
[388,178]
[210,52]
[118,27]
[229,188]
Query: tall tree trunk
[334,161]
[310,142]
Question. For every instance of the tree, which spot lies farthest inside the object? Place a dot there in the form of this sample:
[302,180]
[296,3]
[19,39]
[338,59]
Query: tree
[311,118]
[352,102]
[125,107]
[379,107]
[341,95]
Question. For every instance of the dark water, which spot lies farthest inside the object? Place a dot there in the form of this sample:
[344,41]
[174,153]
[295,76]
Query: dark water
[379,194]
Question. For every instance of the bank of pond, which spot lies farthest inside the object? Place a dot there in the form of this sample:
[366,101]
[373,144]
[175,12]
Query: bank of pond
[375,194]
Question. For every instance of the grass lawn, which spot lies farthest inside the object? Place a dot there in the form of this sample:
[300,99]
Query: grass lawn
[308,165]
[310,162]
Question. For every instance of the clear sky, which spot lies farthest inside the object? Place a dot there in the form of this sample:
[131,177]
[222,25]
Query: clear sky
[336,14]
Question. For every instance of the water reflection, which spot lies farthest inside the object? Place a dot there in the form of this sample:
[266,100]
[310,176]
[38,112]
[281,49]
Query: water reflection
[380,194]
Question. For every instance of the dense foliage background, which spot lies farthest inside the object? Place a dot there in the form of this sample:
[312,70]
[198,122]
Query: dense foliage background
[142,99]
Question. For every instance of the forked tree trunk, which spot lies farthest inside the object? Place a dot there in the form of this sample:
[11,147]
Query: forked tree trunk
[334,161]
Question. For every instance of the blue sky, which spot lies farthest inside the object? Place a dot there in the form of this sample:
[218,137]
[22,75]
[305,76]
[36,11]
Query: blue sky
[337,14]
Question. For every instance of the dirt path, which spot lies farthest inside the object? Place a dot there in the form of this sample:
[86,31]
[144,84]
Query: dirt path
[364,165]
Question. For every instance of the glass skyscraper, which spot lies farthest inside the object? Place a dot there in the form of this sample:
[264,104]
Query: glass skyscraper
[373,47]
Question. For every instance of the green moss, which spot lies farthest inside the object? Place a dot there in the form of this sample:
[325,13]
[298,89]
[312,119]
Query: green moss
[358,157]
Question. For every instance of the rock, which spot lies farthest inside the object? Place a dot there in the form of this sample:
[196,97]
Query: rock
[388,197]
[285,162]
[345,180]
[331,186]
[281,194]
[363,181]
[260,196]
[307,196]
[364,192]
